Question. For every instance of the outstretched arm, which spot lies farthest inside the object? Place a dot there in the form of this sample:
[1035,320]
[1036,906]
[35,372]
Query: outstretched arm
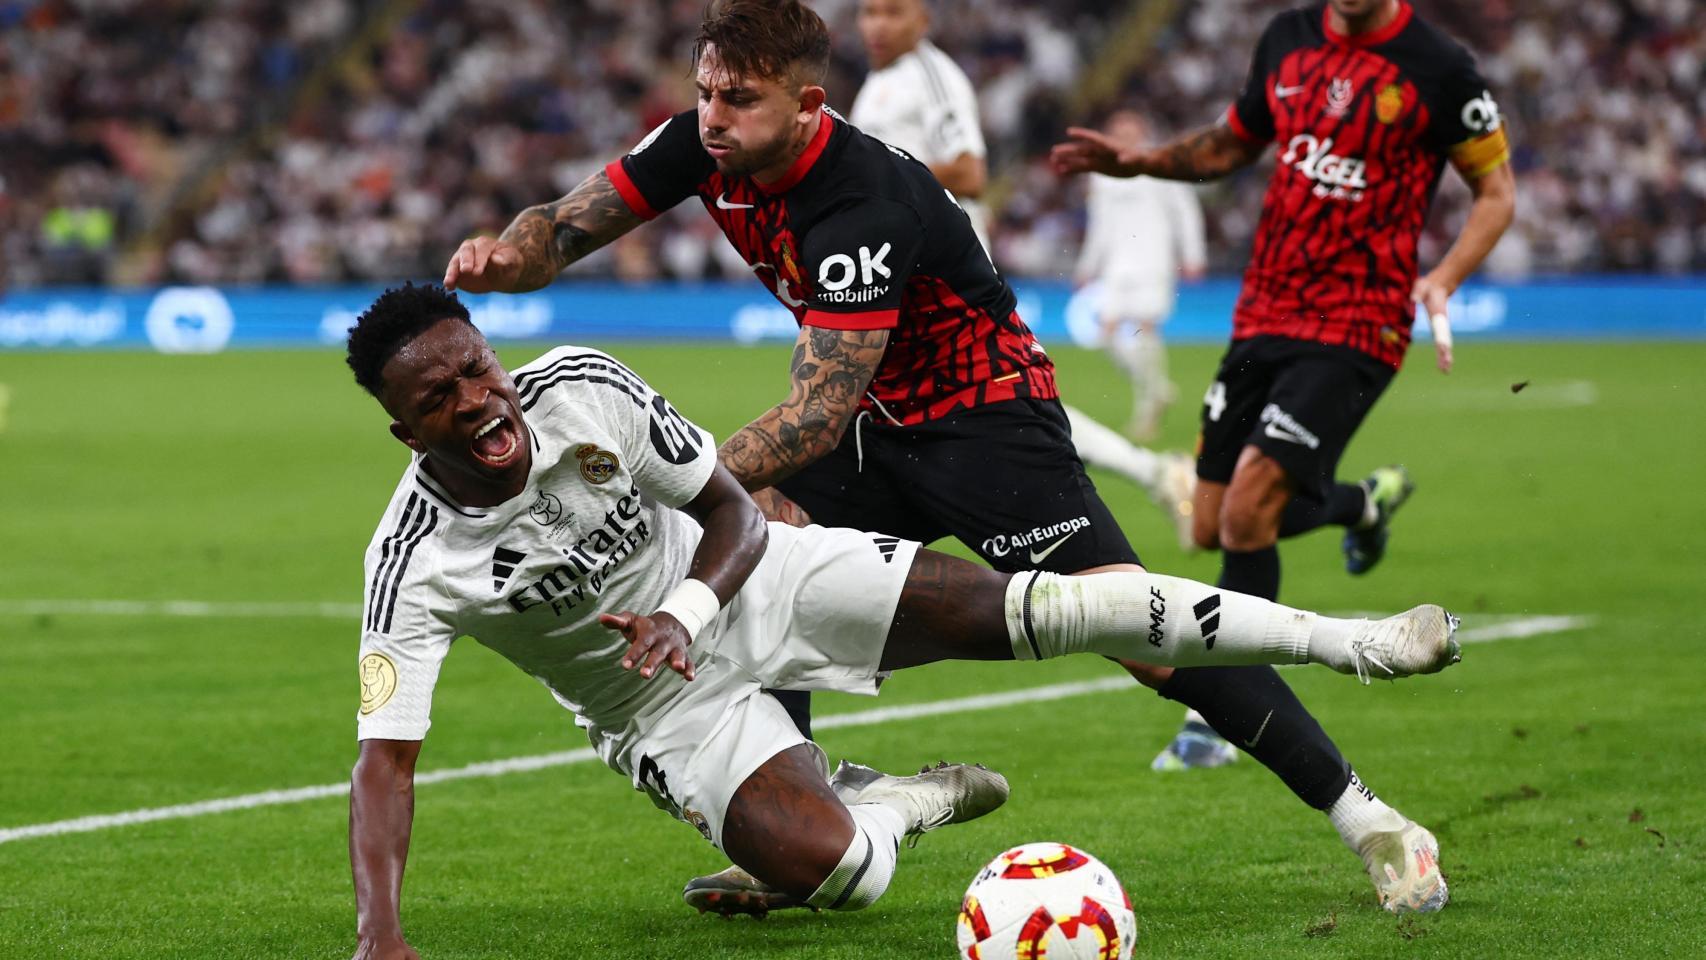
[543,240]
[381,810]
[1201,155]
[1491,212]
[829,373]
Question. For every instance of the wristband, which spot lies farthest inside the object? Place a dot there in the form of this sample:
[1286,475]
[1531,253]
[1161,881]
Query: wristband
[692,604]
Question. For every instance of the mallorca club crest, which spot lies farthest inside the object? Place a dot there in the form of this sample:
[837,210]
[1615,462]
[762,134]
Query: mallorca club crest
[1389,103]
[597,466]
[789,267]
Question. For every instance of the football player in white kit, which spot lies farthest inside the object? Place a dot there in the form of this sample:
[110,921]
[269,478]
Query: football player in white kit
[571,520]
[1141,235]
[918,99]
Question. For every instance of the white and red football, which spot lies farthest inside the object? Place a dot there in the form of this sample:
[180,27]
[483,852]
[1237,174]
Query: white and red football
[1046,901]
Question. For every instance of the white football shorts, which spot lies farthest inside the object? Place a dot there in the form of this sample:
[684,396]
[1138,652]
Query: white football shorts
[814,615]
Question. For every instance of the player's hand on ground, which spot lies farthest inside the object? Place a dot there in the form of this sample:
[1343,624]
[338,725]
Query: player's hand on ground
[652,641]
[1433,296]
[482,265]
[394,948]
[775,506]
[1088,151]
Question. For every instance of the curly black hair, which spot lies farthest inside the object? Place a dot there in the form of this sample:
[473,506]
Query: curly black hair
[398,316]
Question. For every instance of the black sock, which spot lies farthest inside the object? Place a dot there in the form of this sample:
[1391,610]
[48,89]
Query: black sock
[1342,508]
[798,703]
[1245,704]
[1256,573]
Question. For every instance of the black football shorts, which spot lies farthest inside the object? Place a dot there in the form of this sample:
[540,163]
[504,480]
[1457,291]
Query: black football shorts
[1004,479]
[1299,402]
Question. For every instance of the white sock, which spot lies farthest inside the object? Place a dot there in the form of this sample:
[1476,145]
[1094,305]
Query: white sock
[868,864]
[1149,384]
[1158,619]
[1370,512]
[1099,446]
[1358,812]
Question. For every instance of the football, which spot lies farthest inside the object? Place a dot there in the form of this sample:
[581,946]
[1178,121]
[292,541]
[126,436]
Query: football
[1046,900]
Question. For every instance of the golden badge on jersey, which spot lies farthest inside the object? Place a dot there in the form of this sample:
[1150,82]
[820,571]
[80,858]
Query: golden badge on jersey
[788,266]
[597,466]
[378,681]
[1389,103]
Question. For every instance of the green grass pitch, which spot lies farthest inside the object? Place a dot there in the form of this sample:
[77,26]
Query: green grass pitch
[1562,772]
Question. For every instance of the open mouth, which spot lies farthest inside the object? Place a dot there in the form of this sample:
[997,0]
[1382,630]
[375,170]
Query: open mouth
[496,443]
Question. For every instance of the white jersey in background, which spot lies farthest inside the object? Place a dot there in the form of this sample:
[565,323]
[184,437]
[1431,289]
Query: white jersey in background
[924,104]
[1140,233]
[592,531]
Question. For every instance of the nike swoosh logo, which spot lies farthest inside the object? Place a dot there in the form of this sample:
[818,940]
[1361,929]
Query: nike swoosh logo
[1251,743]
[1287,436]
[723,204]
[1040,557]
[1280,92]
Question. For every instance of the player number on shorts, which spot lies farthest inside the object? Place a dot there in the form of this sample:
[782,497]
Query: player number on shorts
[1215,400]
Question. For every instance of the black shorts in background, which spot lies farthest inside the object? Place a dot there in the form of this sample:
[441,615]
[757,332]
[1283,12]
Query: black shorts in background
[1298,401]
[1004,479]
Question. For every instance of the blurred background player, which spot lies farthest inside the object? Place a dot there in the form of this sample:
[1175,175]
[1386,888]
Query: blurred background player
[1140,235]
[918,99]
[1367,102]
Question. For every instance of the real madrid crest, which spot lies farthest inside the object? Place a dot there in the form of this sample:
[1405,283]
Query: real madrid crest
[597,466]
[1389,103]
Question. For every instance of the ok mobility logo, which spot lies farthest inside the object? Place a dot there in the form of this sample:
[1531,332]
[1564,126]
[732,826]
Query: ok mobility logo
[1048,538]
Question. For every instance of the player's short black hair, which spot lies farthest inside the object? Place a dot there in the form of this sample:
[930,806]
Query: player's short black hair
[398,316]
[773,39]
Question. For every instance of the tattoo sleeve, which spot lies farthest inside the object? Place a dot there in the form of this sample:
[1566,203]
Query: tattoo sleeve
[829,373]
[1202,155]
[553,235]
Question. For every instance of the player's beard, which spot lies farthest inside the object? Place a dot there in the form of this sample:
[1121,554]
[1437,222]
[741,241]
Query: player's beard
[744,161]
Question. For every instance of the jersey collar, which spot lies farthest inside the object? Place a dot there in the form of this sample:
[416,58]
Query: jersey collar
[803,164]
[1399,22]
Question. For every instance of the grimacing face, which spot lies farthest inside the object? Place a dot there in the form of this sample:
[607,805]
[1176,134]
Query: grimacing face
[891,28]
[454,402]
[747,124]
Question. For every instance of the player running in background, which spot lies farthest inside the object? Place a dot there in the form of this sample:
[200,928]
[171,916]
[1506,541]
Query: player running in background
[918,99]
[919,403]
[1367,103]
[574,522]
[1140,236]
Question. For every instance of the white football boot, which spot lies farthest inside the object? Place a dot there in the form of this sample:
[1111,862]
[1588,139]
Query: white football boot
[1176,493]
[932,798]
[1404,865]
[1419,640]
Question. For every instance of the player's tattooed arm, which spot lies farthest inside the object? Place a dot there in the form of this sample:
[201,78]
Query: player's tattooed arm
[829,373]
[1204,154]
[543,240]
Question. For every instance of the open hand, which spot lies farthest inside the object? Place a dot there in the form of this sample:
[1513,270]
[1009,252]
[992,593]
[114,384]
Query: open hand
[1433,296]
[653,640]
[483,265]
[1089,151]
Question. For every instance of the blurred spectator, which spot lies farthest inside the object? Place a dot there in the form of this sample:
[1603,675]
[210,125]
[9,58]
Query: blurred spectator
[469,110]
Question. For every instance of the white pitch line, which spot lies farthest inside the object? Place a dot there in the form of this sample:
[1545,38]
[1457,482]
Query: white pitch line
[181,608]
[497,768]
[1523,627]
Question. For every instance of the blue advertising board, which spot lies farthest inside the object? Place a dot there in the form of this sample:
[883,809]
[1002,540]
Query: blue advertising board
[208,319]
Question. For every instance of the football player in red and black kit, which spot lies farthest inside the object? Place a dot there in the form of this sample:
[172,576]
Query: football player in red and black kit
[919,403]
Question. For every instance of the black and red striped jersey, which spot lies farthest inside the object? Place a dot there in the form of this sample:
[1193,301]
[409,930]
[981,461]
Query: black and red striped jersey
[1364,125]
[858,235]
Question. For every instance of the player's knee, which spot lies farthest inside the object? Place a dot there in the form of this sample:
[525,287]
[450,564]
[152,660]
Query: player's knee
[863,869]
[1245,527]
[1205,531]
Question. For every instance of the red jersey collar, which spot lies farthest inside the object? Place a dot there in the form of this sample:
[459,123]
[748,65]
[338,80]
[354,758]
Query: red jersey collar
[1399,22]
[803,164]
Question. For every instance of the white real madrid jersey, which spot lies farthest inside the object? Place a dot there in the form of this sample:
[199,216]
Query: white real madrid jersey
[1140,232]
[924,104]
[595,529]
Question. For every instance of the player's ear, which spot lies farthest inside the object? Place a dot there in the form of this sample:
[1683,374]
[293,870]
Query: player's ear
[406,437]
[811,99]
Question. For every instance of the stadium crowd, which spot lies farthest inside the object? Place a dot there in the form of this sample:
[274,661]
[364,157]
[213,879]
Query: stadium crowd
[464,111]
